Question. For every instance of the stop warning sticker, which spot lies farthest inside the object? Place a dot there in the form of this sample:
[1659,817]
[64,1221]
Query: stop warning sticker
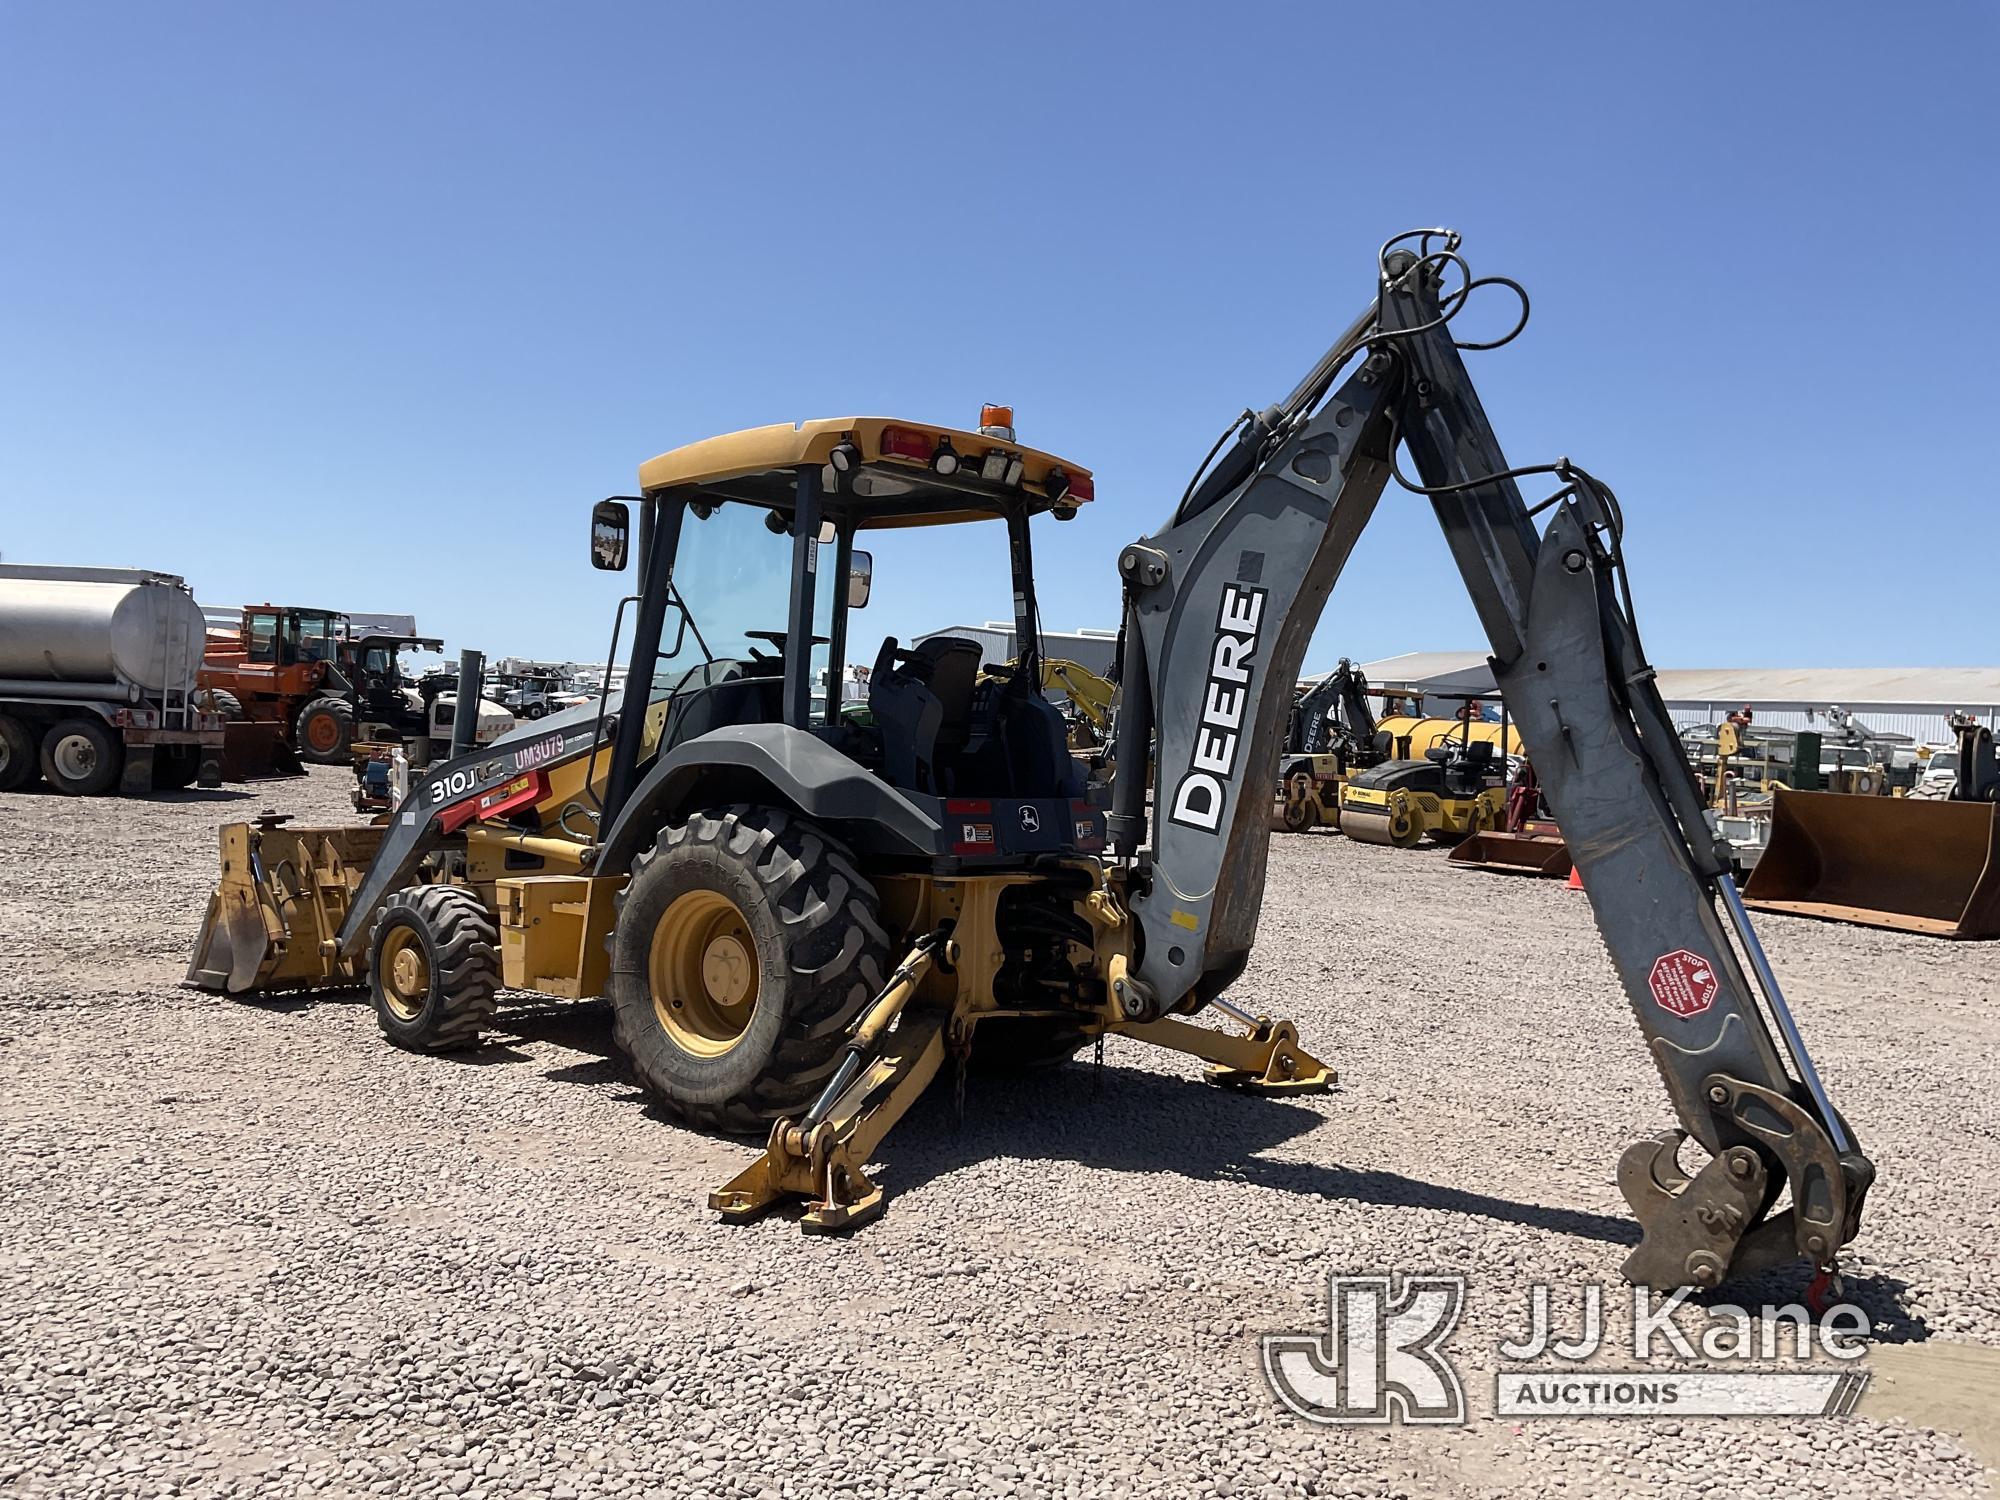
[1683,982]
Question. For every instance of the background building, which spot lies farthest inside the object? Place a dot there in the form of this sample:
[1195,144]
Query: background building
[1092,649]
[1911,701]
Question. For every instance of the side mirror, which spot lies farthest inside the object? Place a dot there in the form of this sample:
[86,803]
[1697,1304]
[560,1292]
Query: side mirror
[860,577]
[610,535]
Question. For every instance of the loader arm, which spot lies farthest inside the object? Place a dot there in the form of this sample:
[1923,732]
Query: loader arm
[1219,606]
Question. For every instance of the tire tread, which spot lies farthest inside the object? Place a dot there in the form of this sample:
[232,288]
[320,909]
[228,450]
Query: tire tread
[836,950]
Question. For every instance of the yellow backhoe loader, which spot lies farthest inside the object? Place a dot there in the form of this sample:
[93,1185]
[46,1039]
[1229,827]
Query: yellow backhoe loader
[799,920]
[1090,698]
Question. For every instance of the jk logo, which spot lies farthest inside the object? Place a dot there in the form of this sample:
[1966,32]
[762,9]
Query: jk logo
[1379,1359]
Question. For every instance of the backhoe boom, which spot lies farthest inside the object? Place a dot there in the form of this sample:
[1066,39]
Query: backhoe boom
[1219,606]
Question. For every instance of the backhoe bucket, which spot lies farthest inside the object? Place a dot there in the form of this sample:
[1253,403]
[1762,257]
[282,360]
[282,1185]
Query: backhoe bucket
[1911,865]
[273,916]
[1515,854]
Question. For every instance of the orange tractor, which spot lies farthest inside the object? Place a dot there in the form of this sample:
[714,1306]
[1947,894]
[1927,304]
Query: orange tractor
[271,670]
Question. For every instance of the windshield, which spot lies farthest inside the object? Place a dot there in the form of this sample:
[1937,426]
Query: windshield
[315,637]
[1944,760]
[732,575]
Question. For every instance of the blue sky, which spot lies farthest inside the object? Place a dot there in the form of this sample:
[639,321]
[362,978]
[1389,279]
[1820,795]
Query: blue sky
[366,304]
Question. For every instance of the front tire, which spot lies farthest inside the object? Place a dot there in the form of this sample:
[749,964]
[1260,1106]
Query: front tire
[325,730]
[434,968]
[748,943]
[82,757]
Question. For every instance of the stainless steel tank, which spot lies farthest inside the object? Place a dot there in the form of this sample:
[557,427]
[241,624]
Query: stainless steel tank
[99,626]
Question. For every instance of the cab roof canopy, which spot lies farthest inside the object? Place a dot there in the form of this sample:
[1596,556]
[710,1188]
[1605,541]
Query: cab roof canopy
[897,473]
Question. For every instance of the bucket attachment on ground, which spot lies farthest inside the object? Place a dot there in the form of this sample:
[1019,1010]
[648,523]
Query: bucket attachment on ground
[1515,854]
[1910,865]
[273,916]
[253,749]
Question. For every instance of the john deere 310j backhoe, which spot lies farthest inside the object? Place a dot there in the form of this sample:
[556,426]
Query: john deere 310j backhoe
[799,916]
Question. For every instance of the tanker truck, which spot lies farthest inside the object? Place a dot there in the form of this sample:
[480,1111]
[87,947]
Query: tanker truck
[97,677]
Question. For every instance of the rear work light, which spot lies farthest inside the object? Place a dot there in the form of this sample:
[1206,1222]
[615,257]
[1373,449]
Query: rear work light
[907,442]
[945,460]
[1067,488]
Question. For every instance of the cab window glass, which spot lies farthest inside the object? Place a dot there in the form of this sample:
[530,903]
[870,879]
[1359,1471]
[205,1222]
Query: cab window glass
[263,637]
[315,638]
[732,575]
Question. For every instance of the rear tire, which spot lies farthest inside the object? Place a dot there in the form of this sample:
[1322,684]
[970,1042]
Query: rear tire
[325,730]
[220,701]
[1024,1044]
[19,765]
[82,757]
[175,767]
[434,968]
[748,943]
[1299,814]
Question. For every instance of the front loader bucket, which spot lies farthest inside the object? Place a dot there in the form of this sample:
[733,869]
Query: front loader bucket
[253,749]
[1515,854]
[272,917]
[1911,865]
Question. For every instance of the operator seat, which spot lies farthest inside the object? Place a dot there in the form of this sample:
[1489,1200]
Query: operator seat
[922,702]
[1464,766]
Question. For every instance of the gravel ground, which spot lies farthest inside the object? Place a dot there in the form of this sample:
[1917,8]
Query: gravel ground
[253,1250]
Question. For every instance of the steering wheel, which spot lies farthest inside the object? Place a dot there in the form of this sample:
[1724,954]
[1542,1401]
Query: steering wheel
[778,638]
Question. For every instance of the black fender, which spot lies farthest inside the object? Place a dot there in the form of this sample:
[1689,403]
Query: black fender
[772,765]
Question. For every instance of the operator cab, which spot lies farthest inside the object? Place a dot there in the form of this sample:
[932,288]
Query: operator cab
[377,667]
[749,571]
[279,637]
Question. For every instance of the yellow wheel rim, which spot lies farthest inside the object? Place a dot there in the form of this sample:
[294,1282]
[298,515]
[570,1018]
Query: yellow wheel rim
[1402,824]
[702,969]
[405,973]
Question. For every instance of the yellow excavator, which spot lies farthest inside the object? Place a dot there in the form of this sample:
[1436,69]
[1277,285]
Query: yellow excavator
[799,920]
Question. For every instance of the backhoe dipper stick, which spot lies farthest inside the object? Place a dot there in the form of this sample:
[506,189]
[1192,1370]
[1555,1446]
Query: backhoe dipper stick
[1219,605]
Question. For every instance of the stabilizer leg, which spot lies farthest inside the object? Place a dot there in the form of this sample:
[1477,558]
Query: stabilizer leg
[823,1163]
[1267,1061]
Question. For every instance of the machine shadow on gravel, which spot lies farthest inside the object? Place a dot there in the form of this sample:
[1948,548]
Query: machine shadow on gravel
[1885,1299]
[181,796]
[1114,1119]
[580,1026]
[1125,1120]
[1131,1120]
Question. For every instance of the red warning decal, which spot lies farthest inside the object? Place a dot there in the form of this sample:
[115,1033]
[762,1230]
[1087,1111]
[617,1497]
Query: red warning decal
[1683,982]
